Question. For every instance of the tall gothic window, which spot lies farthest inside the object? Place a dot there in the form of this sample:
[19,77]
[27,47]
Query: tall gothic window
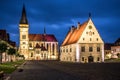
[47,46]
[53,48]
[30,44]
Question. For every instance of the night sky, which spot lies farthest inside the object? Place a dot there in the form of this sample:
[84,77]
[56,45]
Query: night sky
[59,15]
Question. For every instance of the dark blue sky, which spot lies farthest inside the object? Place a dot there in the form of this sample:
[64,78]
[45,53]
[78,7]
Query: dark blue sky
[58,15]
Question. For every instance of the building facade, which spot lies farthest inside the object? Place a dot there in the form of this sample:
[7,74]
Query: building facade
[83,44]
[4,38]
[107,50]
[36,46]
[115,49]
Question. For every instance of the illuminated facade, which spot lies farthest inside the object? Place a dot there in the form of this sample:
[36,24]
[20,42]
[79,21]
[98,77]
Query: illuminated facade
[36,46]
[115,49]
[83,44]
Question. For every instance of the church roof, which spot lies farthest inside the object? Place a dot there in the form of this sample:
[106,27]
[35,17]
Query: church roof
[23,17]
[42,37]
[74,35]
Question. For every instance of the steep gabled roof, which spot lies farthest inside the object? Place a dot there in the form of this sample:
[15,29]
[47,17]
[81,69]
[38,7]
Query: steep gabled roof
[42,37]
[73,37]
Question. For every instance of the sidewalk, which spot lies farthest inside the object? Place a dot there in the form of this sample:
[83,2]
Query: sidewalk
[7,76]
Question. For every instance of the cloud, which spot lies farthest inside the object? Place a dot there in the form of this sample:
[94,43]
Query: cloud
[59,15]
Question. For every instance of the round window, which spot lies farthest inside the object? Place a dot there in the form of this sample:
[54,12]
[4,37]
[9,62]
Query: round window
[90,27]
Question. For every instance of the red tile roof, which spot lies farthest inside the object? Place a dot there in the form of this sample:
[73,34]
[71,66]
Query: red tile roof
[42,37]
[73,37]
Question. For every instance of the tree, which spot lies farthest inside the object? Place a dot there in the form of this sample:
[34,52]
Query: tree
[11,52]
[3,48]
[118,54]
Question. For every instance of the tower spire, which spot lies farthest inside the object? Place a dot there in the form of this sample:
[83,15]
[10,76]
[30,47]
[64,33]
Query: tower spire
[89,15]
[44,30]
[23,17]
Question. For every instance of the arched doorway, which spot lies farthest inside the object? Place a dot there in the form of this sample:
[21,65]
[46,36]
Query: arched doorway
[90,59]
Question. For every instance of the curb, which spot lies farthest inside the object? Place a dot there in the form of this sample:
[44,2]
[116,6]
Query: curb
[17,69]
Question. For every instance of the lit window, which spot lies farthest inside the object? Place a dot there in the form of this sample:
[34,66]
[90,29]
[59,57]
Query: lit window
[83,48]
[90,33]
[23,36]
[90,49]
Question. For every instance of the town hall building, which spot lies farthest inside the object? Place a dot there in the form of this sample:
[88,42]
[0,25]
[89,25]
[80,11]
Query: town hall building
[36,46]
[83,44]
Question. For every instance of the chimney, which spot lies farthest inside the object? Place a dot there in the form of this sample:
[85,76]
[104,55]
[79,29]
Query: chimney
[72,28]
[78,26]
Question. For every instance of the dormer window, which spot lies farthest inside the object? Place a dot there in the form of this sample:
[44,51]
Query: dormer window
[97,39]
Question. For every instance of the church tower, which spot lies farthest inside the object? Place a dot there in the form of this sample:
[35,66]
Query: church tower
[23,36]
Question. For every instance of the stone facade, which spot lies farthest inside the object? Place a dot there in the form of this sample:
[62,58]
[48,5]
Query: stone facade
[115,49]
[83,44]
[36,46]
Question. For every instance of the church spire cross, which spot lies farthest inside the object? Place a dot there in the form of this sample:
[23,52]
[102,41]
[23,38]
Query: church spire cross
[23,17]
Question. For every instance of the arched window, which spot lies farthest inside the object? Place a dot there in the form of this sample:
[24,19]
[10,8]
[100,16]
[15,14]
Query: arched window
[53,48]
[47,46]
[30,44]
[42,45]
[98,59]
[31,54]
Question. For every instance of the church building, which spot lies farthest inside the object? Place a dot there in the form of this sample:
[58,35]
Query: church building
[36,46]
[83,44]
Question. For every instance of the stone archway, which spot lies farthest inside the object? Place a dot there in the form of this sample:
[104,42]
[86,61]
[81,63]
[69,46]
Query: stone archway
[90,59]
